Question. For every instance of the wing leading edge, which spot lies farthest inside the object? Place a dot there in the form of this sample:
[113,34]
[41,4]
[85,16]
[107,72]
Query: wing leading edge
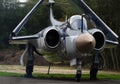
[26,18]
[23,39]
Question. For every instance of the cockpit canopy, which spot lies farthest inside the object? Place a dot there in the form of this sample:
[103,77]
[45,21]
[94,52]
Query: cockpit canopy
[76,22]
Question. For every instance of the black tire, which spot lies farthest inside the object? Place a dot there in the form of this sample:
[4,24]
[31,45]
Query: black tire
[29,69]
[93,72]
[78,77]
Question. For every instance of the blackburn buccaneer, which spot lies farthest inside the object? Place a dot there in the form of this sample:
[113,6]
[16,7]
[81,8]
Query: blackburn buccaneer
[66,41]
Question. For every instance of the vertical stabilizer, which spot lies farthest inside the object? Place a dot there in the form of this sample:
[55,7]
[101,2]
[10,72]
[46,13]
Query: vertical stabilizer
[54,22]
[51,1]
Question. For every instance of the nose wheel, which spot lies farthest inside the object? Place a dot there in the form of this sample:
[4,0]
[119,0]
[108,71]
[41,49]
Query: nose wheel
[79,70]
[78,76]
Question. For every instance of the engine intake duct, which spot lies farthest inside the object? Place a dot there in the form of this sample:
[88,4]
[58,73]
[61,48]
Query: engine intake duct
[52,38]
[99,38]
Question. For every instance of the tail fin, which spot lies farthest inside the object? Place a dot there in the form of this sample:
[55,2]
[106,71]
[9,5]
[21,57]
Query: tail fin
[54,22]
[51,2]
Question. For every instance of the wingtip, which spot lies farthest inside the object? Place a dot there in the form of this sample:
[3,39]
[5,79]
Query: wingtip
[11,35]
[112,42]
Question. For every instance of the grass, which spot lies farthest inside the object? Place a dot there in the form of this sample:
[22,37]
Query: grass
[62,76]
[10,74]
[55,72]
[54,76]
[109,76]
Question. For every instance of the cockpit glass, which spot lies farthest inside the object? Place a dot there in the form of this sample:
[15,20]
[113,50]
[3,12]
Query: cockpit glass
[76,24]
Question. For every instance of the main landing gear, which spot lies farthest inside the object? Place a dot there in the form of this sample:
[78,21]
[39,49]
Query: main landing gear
[95,66]
[30,62]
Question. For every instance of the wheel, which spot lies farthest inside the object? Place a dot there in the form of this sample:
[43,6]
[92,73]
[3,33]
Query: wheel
[93,72]
[29,69]
[78,76]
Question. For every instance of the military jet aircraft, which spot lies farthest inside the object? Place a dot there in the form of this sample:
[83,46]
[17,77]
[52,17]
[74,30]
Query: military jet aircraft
[66,41]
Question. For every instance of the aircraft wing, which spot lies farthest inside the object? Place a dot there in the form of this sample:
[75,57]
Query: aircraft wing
[26,18]
[99,23]
[22,39]
[14,39]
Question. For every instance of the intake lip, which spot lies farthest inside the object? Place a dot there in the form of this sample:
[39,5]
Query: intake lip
[99,38]
[52,38]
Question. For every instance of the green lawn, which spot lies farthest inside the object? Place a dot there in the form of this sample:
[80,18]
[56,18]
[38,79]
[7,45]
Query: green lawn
[62,76]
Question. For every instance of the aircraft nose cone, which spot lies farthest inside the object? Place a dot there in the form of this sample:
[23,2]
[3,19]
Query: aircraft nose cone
[85,43]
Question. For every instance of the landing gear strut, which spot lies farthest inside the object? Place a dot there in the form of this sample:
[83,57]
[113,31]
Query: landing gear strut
[95,67]
[30,61]
[79,71]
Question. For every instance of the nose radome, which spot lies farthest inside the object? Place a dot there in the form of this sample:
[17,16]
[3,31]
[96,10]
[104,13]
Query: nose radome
[85,43]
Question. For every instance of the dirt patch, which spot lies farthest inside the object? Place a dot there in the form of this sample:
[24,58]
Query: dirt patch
[37,69]
[44,69]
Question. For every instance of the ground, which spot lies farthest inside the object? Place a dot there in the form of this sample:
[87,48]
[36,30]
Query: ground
[9,62]
[39,69]
[20,80]
[43,69]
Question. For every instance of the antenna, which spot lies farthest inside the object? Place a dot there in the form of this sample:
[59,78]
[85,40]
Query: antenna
[82,23]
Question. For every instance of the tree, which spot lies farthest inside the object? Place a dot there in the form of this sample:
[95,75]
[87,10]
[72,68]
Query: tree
[108,11]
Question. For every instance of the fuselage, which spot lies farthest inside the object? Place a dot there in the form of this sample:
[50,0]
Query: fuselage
[65,42]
